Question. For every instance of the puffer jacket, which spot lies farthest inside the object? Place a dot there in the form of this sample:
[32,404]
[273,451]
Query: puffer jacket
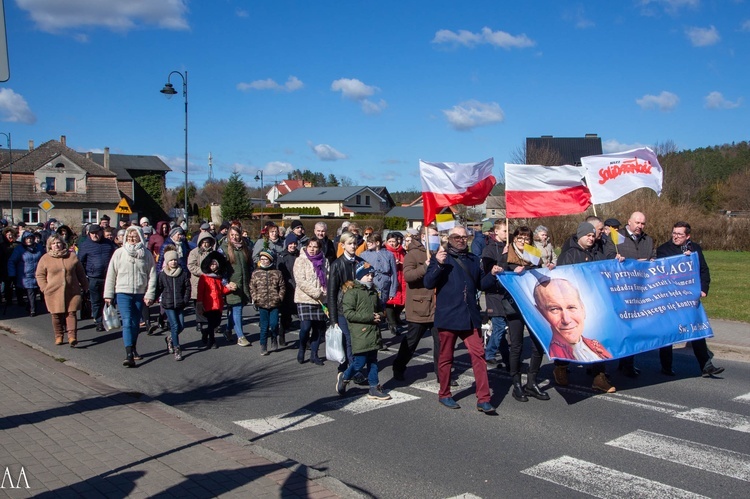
[267,287]
[308,288]
[61,280]
[399,299]
[239,273]
[23,262]
[173,290]
[359,306]
[341,270]
[195,258]
[211,287]
[131,275]
[420,301]
[95,256]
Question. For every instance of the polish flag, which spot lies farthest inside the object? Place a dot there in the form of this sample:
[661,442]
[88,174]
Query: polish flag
[533,191]
[448,184]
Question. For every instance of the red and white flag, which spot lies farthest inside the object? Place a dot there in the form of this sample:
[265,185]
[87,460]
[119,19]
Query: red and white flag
[611,176]
[448,184]
[543,191]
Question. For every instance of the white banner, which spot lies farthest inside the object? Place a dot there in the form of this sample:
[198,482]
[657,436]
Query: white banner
[611,176]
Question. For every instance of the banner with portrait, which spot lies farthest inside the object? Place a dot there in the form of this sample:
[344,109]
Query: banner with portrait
[605,310]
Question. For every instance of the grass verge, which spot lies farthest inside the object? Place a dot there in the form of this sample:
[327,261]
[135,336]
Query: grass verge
[729,294]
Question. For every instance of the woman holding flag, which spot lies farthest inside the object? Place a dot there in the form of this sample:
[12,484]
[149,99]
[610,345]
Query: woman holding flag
[521,255]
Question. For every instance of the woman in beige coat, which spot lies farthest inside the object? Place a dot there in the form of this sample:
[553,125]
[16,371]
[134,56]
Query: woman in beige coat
[62,281]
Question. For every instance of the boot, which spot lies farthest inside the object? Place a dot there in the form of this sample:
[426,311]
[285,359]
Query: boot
[264,347]
[59,339]
[533,390]
[274,344]
[177,354]
[168,341]
[212,340]
[135,352]
[518,392]
[129,360]
[204,337]
[282,338]
[561,375]
[390,315]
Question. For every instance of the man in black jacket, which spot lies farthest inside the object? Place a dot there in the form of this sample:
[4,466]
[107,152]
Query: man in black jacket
[94,254]
[681,244]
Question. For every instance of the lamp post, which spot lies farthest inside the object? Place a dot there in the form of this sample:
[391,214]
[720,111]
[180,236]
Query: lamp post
[169,91]
[259,176]
[10,167]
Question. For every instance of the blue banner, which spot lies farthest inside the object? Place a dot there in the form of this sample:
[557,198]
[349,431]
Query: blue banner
[604,310]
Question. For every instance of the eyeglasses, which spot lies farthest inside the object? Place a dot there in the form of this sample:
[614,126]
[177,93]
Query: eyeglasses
[368,233]
[523,239]
[456,237]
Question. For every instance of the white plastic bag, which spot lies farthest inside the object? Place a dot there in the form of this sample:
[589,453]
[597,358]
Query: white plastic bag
[335,344]
[111,317]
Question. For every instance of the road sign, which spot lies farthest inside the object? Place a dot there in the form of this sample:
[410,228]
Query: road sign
[46,205]
[123,208]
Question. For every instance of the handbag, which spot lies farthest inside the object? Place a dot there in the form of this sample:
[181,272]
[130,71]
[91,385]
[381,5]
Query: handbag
[111,317]
[86,312]
[335,344]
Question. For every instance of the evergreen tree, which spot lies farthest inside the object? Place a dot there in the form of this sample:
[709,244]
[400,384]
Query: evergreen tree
[235,203]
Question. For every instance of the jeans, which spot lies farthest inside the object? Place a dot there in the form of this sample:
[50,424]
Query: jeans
[176,318]
[360,360]
[31,296]
[96,292]
[234,320]
[473,342]
[269,323]
[414,333]
[498,341]
[131,308]
[315,331]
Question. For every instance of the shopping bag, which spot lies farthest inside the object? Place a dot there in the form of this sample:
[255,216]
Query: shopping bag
[111,317]
[335,344]
[86,306]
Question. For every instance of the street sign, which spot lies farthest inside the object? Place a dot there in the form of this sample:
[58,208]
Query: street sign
[123,208]
[46,205]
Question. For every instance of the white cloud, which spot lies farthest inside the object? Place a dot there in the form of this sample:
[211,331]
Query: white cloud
[671,7]
[703,37]
[14,108]
[54,16]
[715,100]
[292,84]
[745,25]
[471,114]
[241,13]
[578,17]
[277,167]
[500,39]
[325,152]
[353,89]
[613,145]
[665,101]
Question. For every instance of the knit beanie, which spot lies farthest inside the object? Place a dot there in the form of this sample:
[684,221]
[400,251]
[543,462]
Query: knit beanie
[170,255]
[291,238]
[176,230]
[363,269]
[267,254]
[584,228]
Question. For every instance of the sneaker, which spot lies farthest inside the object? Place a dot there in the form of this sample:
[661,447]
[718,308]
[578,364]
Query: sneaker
[601,384]
[341,383]
[242,341]
[359,379]
[710,370]
[561,375]
[177,354]
[99,328]
[485,407]
[274,344]
[449,403]
[168,341]
[152,330]
[376,393]
[263,350]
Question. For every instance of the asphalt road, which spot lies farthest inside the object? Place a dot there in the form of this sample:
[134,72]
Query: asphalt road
[656,437]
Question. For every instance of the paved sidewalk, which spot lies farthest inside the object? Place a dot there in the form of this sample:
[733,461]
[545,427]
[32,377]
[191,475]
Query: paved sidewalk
[75,436]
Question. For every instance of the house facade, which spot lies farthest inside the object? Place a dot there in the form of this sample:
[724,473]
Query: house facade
[338,201]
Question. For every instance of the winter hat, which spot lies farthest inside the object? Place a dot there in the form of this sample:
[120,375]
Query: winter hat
[105,217]
[206,263]
[224,225]
[584,228]
[205,226]
[363,269]
[170,255]
[148,230]
[291,238]
[176,230]
[296,224]
[612,222]
[144,219]
[27,235]
[487,226]
[267,254]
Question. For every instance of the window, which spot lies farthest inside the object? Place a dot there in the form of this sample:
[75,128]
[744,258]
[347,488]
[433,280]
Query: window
[90,215]
[359,199]
[50,181]
[70,184]
[367,200]
[31,215]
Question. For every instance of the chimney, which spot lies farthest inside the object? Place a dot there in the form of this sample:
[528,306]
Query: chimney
[31,145]
[62,140]
[106,158]
[88,154]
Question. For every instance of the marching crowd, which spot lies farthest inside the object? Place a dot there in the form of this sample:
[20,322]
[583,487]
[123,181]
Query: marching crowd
[360,280]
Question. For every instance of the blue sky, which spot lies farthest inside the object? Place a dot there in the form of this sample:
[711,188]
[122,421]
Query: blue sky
[366,89]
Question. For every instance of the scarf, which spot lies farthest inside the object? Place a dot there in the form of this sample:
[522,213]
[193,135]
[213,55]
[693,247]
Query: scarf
[172,272]
[517,258]
[456,253]
[398,253]
[134,250]
[319,265]
[58,253]
[265,267]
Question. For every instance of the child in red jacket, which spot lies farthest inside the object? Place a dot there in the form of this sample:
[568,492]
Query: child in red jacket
[211,292]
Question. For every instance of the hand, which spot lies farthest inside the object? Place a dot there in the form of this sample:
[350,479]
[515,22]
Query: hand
[703,295]
[519,269]
[108,301]
[441,255]
[687,253]
[148,302]
[551,266]
[619,258]
[232,286]
[505,249]
[376,317]
[496,269]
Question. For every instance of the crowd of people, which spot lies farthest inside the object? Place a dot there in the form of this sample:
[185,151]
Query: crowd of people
[361,280]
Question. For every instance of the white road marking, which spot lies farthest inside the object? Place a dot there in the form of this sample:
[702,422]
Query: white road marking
[431,386]
[695,455]
[722,419]
[745,399]
[292,421]
[359,405]
[598,481]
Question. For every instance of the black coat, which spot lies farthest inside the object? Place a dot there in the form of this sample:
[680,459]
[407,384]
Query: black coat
[671,249]
[342,270]
[174,291]
[491,255]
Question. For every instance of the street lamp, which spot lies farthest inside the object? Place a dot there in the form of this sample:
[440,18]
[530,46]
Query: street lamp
[259,176]
[10,167]
[169,91]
